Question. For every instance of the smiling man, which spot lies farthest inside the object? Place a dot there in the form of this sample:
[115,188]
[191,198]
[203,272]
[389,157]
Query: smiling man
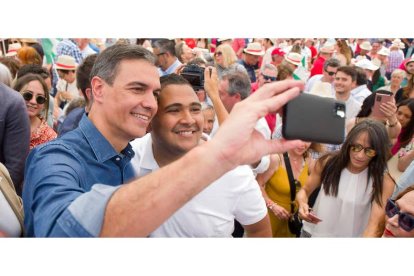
[82,184]
[176,129]
[344,82]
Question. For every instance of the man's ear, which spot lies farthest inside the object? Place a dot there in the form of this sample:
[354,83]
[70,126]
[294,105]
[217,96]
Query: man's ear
[354,84]
[98,87]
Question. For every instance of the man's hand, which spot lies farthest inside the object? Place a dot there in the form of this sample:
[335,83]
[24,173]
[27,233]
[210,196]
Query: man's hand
[211,82]
[237,142]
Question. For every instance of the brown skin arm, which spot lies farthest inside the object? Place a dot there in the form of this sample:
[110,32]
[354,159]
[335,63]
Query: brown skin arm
[259,229]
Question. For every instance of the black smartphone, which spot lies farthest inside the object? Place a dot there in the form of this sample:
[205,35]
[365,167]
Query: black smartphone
[314,119]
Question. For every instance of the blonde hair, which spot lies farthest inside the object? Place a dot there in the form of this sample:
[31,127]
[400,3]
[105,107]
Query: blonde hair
[229,56]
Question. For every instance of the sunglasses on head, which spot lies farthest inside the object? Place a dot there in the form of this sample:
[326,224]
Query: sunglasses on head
[330,73]
[405,221]
[268,78]
[217,54]
[368,151]
[28,95]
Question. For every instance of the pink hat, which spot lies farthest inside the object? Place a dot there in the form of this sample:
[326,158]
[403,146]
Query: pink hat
[255,49]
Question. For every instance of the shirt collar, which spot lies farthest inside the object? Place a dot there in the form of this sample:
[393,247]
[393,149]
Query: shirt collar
[101,147]
[148,160]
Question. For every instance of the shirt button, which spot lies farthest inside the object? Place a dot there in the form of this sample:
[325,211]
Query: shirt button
[117,159]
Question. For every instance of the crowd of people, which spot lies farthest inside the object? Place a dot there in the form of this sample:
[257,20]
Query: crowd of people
[182,138]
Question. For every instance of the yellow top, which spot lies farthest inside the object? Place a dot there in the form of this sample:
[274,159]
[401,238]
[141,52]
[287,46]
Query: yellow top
[278,190]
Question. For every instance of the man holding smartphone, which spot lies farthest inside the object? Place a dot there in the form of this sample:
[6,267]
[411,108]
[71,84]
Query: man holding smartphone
[83,184]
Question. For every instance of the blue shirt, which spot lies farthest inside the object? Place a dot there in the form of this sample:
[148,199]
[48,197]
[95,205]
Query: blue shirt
[170,69]
[251,70]
[71,121]
[61,195]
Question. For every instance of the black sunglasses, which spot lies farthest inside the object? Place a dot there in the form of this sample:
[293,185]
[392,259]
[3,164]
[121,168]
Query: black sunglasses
[28,95]
[330,73]
[405,221]
[268,78]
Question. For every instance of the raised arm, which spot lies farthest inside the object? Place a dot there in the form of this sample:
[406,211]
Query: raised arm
[211,87]
[137,208]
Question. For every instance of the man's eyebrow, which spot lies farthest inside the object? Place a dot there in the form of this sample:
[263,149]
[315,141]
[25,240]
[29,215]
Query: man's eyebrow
[137,83]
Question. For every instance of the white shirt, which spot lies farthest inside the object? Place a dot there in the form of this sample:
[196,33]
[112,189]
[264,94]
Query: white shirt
[360,93]
[211,213]
[347,214]
[352,107]
[263,128]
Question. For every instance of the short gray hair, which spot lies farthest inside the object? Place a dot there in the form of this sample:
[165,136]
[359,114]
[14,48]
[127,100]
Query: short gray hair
[332,62]
[239,82]
[107,62]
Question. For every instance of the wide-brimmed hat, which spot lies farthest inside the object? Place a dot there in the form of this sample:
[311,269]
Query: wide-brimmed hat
[384,51]
[222,39]
[13,48]
[278,52]
[294,58]
[366,64]
[397,43]
[327,48]
[65,62]
[255,49]
[28,40]
[365,45]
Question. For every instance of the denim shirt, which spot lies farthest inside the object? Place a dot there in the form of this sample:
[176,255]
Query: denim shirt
[69,181]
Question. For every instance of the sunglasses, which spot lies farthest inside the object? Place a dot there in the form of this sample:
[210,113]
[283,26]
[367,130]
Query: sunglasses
[368,151]
[268,78]
[405,221]
[330,73]
[217,54]
[28,95]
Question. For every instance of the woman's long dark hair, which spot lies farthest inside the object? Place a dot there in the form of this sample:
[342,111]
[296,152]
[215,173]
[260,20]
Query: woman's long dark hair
[336,162]
[408,131]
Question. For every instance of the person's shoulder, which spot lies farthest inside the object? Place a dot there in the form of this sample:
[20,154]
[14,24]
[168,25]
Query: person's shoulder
[8,95]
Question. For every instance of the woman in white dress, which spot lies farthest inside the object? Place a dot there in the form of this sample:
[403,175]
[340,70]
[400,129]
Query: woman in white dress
[355,186]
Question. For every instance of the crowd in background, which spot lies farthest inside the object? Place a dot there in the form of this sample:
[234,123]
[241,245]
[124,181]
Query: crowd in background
[363,187]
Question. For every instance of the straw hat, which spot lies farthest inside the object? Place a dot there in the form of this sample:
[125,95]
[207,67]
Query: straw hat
[366,64]
[13,48]
[65,62]
[384,51]
[293,58]
[255,49]
[327,48]
[365,45]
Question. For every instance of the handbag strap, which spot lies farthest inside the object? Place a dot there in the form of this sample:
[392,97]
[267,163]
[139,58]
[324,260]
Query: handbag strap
[291,182]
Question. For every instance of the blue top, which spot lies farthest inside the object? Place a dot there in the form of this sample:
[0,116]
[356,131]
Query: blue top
[61,195]
[71,121]
[251,70]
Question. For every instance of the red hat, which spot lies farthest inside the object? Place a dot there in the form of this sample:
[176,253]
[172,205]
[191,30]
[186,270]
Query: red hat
[279,52]
[190,42]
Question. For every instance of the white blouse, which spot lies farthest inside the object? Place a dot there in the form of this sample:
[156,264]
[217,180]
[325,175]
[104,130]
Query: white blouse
[347,214]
